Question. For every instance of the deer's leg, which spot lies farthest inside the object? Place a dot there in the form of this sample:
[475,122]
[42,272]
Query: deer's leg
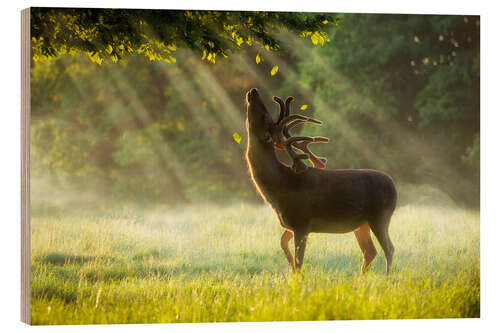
[285,238]
[367,247]
[300,239]
[381,231]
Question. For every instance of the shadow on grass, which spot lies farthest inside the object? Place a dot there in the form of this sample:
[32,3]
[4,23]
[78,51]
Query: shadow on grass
[57,258]
[71,267]
[256,264]
[58,275]
[338,264]
[153,254]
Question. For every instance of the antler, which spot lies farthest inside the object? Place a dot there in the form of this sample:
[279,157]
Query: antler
[318,162]
[284,107]
[285,141]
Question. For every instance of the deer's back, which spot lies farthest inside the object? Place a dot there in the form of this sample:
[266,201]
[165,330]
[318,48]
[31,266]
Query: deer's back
[335,200]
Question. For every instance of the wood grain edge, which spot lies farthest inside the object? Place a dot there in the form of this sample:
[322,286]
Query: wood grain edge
[25,165]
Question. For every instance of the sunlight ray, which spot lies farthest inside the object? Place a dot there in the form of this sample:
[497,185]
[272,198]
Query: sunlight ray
[207,121]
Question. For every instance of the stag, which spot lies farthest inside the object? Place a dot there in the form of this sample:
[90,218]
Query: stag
[314,199]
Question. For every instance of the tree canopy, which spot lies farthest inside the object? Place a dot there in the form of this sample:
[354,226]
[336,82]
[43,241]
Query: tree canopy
[116,33]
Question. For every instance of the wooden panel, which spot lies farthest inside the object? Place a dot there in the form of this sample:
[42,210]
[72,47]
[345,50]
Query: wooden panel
[25,165]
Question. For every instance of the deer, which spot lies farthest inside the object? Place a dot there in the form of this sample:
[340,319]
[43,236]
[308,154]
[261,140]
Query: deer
[314,199]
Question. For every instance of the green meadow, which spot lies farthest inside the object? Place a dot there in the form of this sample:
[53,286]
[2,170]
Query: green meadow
[216,263]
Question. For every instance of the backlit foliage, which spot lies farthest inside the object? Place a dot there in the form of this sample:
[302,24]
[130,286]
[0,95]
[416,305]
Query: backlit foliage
[116,33]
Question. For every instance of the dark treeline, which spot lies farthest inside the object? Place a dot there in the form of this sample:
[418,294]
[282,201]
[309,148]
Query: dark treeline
[398,93]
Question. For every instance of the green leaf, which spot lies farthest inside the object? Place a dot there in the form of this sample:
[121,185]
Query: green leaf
[274,70]
[304,107]
[237,137]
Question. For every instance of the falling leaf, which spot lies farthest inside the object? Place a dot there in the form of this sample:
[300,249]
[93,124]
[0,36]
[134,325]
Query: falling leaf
[258,58]
[304,107]
[274,70]
[237,137]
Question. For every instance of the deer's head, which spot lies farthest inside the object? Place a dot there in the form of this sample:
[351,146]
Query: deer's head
[261,125]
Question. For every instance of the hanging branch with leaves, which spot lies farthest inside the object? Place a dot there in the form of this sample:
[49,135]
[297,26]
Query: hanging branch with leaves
[117,33]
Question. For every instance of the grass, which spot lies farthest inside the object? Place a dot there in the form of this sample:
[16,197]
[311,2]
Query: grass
[212,263]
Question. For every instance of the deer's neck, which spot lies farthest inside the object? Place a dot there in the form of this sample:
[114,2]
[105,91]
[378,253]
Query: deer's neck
[265,168]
